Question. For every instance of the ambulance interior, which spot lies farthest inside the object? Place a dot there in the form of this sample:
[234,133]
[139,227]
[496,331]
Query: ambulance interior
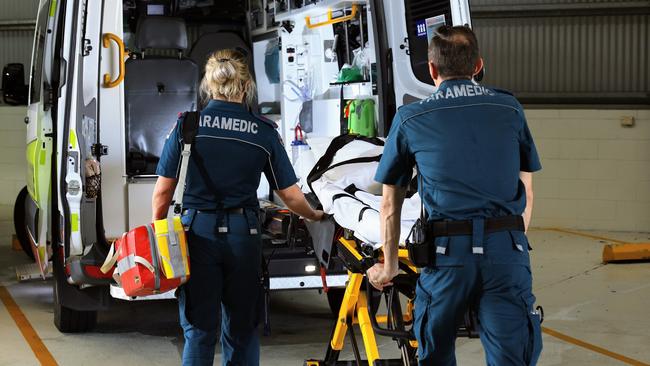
[296,55]
[297,69]
[317,71]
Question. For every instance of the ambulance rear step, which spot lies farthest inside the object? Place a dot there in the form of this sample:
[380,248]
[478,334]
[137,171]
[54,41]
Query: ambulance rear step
[31,271]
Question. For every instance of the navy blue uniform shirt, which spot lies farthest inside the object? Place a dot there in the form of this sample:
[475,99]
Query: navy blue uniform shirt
[470,143]
[231,150]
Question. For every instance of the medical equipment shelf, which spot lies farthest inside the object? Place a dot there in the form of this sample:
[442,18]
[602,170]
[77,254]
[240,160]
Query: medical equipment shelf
[312,9]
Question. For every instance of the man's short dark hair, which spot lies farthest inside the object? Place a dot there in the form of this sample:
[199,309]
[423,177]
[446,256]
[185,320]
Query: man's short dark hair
[454,51]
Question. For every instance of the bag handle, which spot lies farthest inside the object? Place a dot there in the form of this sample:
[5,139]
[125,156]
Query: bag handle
[111,257]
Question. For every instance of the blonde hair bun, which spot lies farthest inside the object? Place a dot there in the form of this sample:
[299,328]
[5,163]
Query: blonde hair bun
[227,77]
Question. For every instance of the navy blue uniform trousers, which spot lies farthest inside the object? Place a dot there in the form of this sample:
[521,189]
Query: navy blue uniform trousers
[223,289]
[498,280]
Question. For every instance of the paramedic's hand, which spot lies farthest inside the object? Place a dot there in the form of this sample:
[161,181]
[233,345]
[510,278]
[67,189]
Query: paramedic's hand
[381,276]
[318,216]
[295,200]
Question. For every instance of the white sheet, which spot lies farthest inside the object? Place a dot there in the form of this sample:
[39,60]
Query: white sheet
[347,211]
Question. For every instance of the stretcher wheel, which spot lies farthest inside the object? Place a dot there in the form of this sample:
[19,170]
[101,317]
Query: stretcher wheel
[20,222]
[69,320]
[335,298]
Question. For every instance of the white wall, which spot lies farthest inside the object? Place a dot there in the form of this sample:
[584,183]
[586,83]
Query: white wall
[596,174]
[13,162]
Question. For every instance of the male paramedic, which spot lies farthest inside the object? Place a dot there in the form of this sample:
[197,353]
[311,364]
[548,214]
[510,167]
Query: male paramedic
[475,154]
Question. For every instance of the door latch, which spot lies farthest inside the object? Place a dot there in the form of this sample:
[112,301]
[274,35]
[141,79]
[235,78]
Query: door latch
[99,150]
[87,47]
[405,46]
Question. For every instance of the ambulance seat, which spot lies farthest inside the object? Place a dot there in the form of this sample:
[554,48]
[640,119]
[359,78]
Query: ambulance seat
[213,41]
[208,43]
[157,89]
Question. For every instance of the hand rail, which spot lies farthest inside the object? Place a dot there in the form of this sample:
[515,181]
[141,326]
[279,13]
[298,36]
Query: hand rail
[331,20]
[106,40]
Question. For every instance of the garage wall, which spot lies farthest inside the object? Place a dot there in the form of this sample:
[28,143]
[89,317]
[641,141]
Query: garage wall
[13,163]
[17,18]
[566,51]
[596,174]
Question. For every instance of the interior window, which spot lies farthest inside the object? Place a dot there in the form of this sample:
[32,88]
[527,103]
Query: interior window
[266,58]
[37,57]
[423,17]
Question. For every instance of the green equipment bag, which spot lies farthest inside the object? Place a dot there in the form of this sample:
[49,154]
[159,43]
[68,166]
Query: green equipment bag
[361,117]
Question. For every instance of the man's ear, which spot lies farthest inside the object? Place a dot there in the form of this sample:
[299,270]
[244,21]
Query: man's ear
[433,71]
[478,67]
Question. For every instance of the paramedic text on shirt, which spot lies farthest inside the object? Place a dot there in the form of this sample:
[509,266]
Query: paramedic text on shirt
[474,151]
[231,150]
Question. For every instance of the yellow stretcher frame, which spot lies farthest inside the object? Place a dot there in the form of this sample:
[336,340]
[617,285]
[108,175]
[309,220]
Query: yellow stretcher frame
[354,310]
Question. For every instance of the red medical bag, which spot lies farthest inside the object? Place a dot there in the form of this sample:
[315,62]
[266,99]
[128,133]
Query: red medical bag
[140,270]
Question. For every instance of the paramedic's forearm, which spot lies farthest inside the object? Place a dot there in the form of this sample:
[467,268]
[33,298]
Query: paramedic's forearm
[527,180]
[295,200]
[163,193]
[390,224]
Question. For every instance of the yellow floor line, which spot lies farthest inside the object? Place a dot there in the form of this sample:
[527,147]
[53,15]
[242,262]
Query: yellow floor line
[38,347]
[578,233]
[593,348]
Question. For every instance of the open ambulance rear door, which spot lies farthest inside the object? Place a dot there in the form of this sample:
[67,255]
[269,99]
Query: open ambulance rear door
[409,25]
[88,64]
[39,134]
[91,52]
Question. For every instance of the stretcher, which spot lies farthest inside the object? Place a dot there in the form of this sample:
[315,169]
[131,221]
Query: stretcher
[342,181]
[360,306]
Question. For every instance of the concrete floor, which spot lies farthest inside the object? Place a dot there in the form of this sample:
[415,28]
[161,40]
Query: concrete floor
[605,305]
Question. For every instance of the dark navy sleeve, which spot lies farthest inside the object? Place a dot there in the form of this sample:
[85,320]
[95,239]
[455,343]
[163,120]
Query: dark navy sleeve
[171,154]
[396,164]
[528,157]
[278,170]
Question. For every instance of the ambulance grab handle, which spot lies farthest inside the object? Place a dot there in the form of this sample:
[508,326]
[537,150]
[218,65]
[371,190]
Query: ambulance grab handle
[331,20]
[106,40]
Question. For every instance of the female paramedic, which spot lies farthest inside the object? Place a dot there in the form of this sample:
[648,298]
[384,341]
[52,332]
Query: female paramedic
[231,150]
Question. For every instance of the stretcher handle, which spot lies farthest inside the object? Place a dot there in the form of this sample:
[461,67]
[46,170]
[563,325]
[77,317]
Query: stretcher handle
[330,20]
[106,42]
[393,333]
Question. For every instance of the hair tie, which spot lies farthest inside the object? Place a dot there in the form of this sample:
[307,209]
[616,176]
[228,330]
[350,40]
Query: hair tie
[223,60]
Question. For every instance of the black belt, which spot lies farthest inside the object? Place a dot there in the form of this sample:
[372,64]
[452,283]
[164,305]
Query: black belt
[465,227]
[234,210]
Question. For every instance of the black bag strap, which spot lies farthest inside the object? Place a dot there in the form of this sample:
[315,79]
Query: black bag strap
[190,126]
[189,129]
[323,164]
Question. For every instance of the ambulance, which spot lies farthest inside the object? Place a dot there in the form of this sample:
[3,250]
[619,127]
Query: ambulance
[109,78]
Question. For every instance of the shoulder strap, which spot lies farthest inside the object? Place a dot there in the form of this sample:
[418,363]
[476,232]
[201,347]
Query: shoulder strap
[190,126]
[189,129]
